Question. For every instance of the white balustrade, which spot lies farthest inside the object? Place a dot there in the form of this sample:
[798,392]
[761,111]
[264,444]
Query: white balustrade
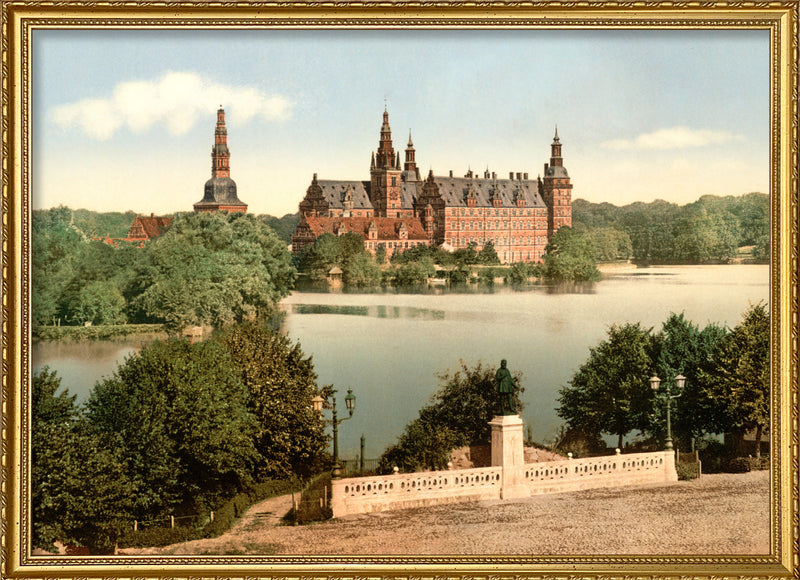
[366,494]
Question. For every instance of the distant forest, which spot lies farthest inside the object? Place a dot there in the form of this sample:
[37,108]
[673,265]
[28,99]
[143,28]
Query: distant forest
[712,229]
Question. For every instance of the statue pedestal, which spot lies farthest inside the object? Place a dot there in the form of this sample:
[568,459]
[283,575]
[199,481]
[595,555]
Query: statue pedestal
[507,453]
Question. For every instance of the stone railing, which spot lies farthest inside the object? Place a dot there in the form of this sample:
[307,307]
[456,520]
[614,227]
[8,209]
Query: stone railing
[607,471]
[407,490]
[399,491]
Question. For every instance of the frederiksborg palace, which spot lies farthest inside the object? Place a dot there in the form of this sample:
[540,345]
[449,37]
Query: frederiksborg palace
[399,209]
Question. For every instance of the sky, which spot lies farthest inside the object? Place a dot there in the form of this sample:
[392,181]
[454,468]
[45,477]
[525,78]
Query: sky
[124,119]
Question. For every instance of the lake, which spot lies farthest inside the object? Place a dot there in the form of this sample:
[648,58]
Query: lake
[390,347]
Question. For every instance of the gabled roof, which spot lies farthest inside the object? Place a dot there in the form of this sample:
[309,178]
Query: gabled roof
[144,227]
[334,190]
[453,190]
[388,228]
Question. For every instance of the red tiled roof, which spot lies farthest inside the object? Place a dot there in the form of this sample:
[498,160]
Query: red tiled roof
[148,227]
[388,228]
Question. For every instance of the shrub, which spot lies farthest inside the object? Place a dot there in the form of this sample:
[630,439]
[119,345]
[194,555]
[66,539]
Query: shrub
[224,517]
[687,471]
[739,465]
[310,509]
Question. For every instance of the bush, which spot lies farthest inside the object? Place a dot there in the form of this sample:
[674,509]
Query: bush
[224,517]
[310,509]
[687,471]
[739,465]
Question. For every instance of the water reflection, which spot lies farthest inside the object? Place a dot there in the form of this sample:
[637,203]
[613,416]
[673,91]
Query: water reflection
[377,311]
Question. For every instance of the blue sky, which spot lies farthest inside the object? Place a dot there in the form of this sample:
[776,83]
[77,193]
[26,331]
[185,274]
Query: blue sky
[124,119]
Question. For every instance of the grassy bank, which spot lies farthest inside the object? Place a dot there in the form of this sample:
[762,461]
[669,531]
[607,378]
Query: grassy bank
[97,332]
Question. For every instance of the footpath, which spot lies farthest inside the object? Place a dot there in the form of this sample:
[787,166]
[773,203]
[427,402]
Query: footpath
[715,515]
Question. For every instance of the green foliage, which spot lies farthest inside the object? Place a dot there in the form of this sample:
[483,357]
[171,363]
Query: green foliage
[177,413]
[687,471]
[79,490]
[280,383]
[519,272]
[216,269]
[708,230]
[283,227]
[681,348]
[309,507]
[738,379]
[739,465]
[94,224]
[414,273]
[95,332]
[610,392]
[569,257]
[361,271]
[346,252]
[458,414]
[487,255]
[726,388]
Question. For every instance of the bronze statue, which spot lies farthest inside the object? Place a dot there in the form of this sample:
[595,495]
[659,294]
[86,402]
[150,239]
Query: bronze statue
[505,389]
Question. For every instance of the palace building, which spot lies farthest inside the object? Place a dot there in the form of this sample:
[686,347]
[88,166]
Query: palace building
[220,190]
[399,209]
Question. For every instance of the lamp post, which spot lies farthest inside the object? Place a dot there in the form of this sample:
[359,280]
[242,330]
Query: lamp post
[350,402]
[655,382]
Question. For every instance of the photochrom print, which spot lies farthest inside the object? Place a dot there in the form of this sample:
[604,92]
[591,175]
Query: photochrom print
[399,289]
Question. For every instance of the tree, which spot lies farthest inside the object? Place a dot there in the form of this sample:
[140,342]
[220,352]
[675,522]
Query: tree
[570,257]
[99,303]
[178,413]
[216,269]
[79,491]
[361,271]
[738,380]
[610,392]
[280,382]
[488,255]
[414,273]
[458,414]
[681,348]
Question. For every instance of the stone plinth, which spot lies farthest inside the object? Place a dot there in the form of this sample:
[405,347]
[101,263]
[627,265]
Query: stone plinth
[507,452]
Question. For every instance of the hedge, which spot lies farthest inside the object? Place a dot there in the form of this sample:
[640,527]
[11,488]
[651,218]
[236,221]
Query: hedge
[224,517]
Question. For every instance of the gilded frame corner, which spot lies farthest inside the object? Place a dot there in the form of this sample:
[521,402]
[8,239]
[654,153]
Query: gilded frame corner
[780,18]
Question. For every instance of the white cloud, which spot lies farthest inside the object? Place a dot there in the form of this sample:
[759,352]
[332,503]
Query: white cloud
[673,138]
[177,100]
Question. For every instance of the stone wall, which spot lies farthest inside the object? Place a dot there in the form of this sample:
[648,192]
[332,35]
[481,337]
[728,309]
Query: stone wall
[409,490]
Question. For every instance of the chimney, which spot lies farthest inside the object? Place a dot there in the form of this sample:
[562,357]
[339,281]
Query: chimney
[519,176]
[525,176]
[511,175]
[451,173]
[152,215]
[494,175]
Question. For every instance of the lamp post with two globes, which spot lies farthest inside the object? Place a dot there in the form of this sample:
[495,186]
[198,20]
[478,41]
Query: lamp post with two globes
[655,382]
[350,402]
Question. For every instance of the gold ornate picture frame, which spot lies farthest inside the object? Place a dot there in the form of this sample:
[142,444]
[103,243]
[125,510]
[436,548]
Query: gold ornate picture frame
[20,18]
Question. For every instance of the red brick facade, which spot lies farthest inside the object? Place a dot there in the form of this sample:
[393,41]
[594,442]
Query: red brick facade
[517,215]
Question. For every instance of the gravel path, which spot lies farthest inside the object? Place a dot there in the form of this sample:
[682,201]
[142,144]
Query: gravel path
[716,514]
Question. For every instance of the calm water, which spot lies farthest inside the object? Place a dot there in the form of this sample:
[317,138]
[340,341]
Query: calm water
[389,348]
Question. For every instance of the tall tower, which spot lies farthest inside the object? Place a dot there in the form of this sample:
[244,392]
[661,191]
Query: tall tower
[557,190]
[410,169]
[385,175]
[220,190]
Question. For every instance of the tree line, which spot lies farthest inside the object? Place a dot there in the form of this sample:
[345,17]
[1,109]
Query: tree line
[177,430]
[726,388]
[712,229]
[206,269]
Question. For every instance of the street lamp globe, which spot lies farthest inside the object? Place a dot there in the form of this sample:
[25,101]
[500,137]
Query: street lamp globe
[680,380]
[350,401]
[655,382]
[316,403]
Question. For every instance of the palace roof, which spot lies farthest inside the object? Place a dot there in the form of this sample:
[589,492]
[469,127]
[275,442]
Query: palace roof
[388,228]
